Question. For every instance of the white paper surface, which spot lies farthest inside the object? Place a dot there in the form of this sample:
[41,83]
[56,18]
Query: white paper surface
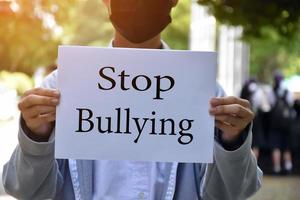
[141,114]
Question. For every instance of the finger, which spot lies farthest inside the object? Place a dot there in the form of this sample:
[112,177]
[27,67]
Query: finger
[49,117]
[229,100]
[228,119]
[34,100]
[37,110]
[43,92]
[36,122]
[233,109]
[224,126]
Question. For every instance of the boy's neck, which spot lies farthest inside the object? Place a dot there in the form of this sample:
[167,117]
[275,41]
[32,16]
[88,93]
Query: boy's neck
[120,41]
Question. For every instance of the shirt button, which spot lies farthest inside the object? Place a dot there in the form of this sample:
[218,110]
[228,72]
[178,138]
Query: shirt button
[141,195]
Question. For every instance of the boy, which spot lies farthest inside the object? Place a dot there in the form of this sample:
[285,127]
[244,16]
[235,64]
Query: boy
[33,173]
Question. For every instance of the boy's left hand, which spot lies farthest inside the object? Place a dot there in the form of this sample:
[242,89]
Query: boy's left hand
[232,115]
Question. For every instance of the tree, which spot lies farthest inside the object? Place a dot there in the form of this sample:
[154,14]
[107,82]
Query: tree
[274,53]
[177,33]
[31,32]
[88,25]
[271,28]
[26,37]
[254,15]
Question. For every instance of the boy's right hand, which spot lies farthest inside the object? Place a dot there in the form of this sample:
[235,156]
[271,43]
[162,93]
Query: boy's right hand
[38,109]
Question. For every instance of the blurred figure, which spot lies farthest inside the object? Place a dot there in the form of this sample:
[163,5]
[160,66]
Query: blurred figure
[253,92]
[281,116]
[295,128]
[297,108]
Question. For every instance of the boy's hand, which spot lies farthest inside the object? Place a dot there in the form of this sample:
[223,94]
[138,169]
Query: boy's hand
[232,115]
[38,109]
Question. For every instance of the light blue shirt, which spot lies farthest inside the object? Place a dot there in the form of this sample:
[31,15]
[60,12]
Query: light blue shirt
[129,180]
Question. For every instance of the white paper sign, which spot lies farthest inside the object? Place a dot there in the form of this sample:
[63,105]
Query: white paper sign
[135,104]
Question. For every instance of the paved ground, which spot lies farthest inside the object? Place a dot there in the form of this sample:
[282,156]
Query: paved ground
[279,188]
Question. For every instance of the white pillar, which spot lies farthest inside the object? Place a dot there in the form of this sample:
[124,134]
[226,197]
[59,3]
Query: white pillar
[233,59]
[233,55]
[203,29]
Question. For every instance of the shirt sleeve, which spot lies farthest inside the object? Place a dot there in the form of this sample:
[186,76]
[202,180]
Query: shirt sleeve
[234,174]
[32,171]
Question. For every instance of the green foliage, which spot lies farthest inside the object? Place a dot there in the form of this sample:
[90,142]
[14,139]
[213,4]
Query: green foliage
[89,25]
[26,40]
[254,15]
[293,59]
[29,38]
[30,35]
[272,53]
[177,33]
[271,27]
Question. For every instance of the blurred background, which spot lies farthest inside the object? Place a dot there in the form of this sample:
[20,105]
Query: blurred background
[259,52]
